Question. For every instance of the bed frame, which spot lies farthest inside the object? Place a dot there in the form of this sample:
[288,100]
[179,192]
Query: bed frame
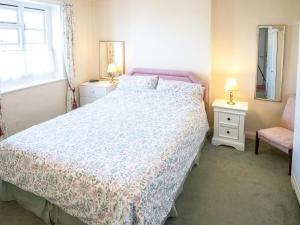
[49,212]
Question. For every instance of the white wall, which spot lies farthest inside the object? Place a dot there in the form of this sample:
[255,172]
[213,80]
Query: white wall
[27,107]
[158,34]
[180,34]
[177,35]
[84,41]
[235,52]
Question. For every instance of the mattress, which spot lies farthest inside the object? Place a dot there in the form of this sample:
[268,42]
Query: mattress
[119,160]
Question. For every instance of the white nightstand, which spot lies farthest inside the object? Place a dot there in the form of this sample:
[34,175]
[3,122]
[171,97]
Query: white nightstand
[91,91]
[229,123]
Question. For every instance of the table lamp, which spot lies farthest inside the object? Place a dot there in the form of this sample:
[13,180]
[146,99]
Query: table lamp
[231,86]
[111,70]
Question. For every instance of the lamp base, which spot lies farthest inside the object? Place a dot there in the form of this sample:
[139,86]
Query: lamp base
[231,102]
[111,78]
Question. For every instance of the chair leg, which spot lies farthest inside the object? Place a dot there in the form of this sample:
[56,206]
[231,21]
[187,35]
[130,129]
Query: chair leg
[256,143]
[290,161]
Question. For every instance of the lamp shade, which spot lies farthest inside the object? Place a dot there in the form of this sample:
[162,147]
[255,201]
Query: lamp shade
[112,68]
[231,85]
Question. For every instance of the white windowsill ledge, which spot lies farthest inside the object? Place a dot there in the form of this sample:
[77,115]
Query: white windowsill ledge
[24,87]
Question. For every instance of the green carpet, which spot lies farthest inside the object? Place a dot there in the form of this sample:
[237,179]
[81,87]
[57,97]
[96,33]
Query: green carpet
[227,188]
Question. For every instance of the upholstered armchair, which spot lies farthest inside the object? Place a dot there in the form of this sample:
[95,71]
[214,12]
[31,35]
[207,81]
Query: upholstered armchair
[281,137]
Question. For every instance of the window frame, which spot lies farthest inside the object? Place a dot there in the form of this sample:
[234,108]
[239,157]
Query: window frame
[51,12]
[21,7]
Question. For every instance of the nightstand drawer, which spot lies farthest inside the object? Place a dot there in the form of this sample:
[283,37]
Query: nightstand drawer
[86,100]
[230,119]
[93,92]
[229,132]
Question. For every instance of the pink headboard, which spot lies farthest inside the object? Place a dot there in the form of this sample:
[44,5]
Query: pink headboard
[178,75]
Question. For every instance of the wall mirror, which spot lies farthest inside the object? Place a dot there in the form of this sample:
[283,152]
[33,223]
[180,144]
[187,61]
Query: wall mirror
[112,58]
[270,62]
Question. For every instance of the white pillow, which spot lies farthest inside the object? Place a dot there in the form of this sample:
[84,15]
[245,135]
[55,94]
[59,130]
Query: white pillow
[188,89]
[127,82]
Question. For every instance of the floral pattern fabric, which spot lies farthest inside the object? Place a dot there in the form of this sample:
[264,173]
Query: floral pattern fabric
[190,89]
[127,156]
[127,82]
[3,131]
[67,14]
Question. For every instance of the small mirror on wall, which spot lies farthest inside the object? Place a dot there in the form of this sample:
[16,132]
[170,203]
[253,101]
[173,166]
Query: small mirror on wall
[270,57]
[112,58]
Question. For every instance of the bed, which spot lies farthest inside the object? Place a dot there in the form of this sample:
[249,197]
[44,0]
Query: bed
[120,160]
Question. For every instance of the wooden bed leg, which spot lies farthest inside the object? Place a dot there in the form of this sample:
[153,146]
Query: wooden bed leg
[290,161]
[256,143]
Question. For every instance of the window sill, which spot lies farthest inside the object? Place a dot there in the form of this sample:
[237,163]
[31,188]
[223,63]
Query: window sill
[24,87]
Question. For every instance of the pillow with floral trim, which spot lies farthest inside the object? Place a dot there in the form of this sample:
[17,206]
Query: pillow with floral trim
[180,87]
[137,82]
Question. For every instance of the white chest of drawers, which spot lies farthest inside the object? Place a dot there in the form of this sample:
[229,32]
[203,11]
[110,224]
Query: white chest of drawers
[229,123]
[91,91]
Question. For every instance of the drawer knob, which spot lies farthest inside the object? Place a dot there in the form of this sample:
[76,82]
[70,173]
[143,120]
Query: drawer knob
[228,119]
[228,132]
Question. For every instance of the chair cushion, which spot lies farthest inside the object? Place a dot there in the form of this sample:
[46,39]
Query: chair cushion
[279,137]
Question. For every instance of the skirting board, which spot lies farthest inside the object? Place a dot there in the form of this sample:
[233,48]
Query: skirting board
[296,187]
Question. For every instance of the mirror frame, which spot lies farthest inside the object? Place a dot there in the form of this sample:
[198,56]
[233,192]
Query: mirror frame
[282,62]
[99,60]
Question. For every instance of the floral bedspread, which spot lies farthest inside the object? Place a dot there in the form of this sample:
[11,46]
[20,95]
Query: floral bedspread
[117,161]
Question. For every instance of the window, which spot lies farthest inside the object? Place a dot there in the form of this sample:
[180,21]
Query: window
[29,53]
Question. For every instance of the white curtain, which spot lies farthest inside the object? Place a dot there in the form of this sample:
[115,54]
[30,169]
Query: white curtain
[67,14]
[30,63]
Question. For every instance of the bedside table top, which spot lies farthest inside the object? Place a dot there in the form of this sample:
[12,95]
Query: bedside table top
[101,83]
[222,103]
